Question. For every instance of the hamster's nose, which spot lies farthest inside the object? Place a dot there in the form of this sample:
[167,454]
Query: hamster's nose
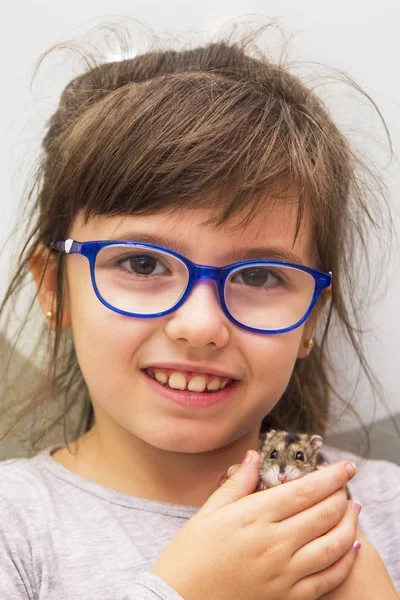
[282,477]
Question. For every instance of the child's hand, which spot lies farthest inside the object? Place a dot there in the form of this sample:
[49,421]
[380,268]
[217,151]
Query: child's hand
[292,542]
[369,579]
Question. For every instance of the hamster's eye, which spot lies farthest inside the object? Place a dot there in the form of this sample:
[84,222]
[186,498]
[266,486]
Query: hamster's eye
[299,456]
[274,454]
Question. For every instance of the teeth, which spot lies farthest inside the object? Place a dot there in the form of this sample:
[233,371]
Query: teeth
[214,384]
[197,384]
[161,377]
[177,381]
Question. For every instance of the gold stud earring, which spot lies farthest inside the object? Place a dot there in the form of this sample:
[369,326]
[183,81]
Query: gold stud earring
[309,344]
[49,314]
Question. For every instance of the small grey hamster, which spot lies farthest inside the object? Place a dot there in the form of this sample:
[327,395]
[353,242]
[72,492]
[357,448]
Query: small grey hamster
[287,456]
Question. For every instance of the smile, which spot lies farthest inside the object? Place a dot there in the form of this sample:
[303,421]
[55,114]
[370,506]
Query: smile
[195,382]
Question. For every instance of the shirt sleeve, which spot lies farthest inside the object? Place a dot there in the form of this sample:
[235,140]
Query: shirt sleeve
[15,586]
[148,586]
[14,580]
[16,577]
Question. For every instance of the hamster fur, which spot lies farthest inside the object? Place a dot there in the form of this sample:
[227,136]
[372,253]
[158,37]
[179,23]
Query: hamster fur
[289,455]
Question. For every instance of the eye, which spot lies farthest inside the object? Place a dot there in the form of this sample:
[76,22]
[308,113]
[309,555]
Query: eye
[299,456]
[258,277]
[142,264]
[274,454]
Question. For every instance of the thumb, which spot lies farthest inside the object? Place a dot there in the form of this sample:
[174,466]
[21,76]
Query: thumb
[242,483]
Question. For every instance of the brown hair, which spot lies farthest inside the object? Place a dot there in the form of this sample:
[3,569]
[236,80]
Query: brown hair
[206,127]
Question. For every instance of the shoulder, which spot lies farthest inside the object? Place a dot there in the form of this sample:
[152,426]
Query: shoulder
[22,514]
[376,487]
[18,472]
[22,487]
[376,481]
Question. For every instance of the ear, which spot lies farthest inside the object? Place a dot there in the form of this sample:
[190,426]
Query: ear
[316,442]
[311,324]
[43,268]
[270,434]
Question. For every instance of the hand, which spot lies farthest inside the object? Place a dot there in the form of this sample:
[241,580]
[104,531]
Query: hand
[292,542]
[368,579]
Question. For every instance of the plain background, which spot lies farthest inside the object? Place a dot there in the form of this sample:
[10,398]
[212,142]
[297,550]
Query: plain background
[360,37]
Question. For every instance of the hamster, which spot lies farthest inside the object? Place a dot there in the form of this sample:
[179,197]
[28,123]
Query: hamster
[287,456]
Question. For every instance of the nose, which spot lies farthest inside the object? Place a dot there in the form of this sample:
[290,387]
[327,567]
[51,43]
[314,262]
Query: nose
[200,321]
[282,477]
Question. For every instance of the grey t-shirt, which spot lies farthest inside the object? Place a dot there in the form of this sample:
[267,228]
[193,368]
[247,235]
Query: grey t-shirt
[63,537]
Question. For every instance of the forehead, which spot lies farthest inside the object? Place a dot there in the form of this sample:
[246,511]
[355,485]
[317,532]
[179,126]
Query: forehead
[289,442]
[272,233]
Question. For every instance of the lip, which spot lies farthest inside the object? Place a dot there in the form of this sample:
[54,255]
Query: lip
[188,399]
[192,368]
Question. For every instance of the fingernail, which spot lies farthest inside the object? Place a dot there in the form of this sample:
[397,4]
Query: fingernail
[247,458]
[356,545]
[357,507]
[222,480]
[232,470]
[351,469]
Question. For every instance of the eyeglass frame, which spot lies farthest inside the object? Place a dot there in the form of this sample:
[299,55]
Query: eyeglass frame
[196,272]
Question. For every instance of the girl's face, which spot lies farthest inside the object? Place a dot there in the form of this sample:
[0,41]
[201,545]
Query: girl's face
[113,350]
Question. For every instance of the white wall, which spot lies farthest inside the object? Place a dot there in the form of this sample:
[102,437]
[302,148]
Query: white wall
[360,37]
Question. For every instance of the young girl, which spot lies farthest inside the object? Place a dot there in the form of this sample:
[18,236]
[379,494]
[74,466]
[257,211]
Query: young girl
[195,218]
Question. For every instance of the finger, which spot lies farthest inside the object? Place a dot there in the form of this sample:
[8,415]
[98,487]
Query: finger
[231,471]
[240,485]
[286,500]
[360,536]
[326,550]
[315,521]
[316,586]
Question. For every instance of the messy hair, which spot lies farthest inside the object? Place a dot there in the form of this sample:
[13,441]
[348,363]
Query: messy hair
[207,127]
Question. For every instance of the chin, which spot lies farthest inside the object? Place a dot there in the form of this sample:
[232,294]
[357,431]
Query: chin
[182,441]
[183,447]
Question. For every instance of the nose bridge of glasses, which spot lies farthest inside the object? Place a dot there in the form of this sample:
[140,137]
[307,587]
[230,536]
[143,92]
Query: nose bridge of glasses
[206,272]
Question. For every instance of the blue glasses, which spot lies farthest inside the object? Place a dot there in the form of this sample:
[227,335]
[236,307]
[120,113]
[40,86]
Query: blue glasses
[143,280]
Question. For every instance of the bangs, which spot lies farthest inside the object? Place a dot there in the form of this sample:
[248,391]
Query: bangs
[195,140]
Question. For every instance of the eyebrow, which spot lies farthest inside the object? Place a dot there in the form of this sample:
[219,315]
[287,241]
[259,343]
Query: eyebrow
[235,255]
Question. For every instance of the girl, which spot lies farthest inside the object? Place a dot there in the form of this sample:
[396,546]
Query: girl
[194,219]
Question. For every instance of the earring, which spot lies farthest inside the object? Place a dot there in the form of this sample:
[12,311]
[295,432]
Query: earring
[49,314]
[309,344]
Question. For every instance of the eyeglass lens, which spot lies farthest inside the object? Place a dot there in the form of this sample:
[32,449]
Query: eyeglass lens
[143,281]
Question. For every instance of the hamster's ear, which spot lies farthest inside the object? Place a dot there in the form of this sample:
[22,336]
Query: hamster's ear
[270,434]
[43,268]
[316,442]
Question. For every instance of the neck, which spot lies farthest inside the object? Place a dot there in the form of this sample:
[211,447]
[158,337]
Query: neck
[134,467]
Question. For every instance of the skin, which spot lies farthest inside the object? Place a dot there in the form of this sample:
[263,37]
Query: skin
[137,434]
[147,447]
[368,579]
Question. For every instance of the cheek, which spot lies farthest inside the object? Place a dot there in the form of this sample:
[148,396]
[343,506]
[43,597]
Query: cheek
[271,360]
[104,340]
[293,473]
[269,476]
